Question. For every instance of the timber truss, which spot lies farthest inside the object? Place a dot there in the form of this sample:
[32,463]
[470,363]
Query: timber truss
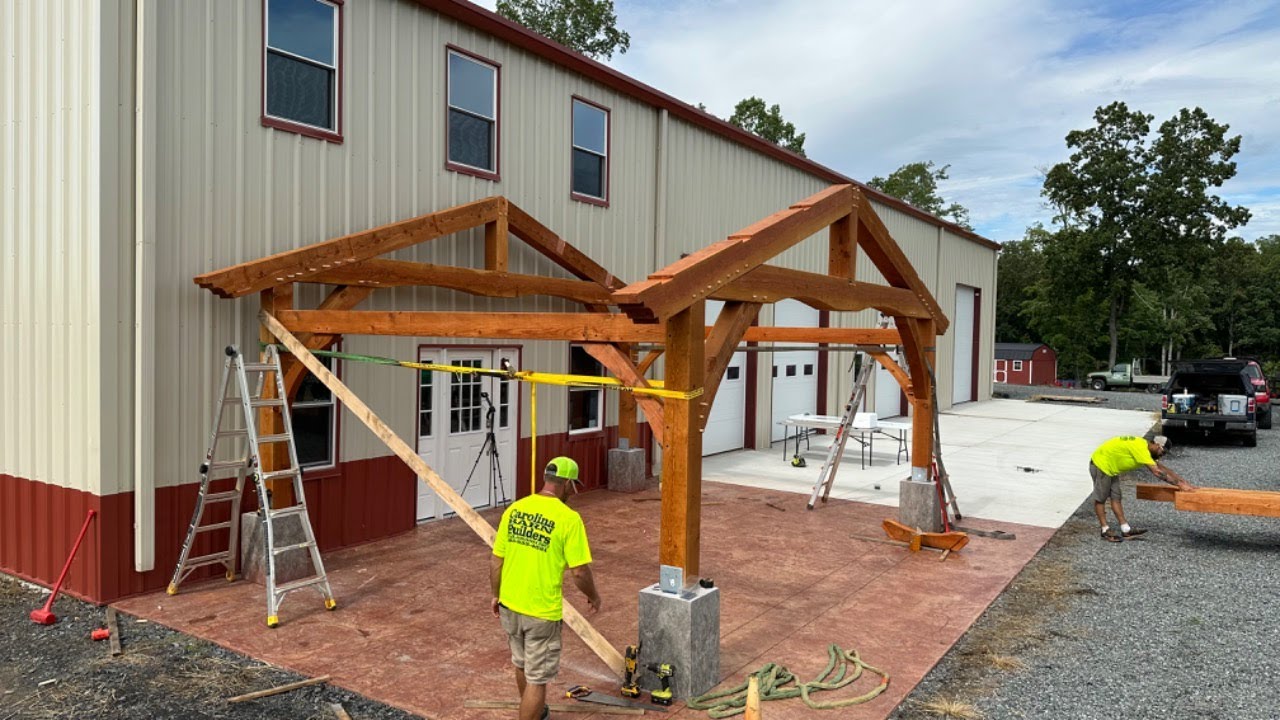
[667,308]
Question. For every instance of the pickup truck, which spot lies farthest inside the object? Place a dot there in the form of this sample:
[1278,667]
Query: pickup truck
[1210,397]
[1126,375]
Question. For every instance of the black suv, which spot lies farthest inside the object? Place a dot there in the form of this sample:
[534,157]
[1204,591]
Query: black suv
[1210,397]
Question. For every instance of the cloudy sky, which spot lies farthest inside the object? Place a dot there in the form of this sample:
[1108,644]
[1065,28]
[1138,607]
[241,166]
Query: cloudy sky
[990,87]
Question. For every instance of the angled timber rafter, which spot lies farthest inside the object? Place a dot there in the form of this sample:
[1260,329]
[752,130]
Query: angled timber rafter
[721,343]
[620,365]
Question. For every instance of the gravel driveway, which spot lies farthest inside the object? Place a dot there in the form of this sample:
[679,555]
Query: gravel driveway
[1115,399]
[1182,623]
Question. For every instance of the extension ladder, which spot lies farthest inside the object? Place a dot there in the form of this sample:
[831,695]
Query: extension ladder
[827,475]
[244,465]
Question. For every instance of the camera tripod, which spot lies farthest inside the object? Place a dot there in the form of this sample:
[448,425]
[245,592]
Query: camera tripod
[497,486]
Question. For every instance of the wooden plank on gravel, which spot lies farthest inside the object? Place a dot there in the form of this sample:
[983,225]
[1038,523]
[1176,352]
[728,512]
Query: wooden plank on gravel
[279,689]
[1227,501]
[114,627]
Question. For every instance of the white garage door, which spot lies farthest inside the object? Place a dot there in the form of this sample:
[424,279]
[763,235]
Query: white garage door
[795,373]
[888,392]
[962,327]
[726,427]
[454,424]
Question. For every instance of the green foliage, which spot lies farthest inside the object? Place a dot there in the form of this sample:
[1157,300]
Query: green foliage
[588,26]
[917,183]
[753,116]
[1021,268]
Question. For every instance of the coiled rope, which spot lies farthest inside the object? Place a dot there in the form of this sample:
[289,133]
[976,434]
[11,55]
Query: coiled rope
[843,668]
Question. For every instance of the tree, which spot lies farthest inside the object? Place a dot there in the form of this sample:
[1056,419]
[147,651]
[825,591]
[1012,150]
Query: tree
[1021,268]
[917,183]
[588,26]
[752,115]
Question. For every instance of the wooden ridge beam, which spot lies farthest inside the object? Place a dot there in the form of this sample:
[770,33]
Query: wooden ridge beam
[620,366]
[769,284]
[720,346]
[379,273]
[593,639]
[698,275]
[1226,501]
[300,264]
[878,244]
[553,247]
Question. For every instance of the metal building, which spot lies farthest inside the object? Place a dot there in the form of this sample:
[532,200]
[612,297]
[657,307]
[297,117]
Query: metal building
[144,142]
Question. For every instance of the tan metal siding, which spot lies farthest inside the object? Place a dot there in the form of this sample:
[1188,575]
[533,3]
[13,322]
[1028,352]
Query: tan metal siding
[966,263]
[50,392]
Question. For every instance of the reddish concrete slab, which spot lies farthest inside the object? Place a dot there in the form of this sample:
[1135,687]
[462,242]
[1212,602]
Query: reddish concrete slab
[413,627]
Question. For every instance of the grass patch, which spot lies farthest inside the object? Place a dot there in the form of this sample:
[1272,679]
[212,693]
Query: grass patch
[950,708]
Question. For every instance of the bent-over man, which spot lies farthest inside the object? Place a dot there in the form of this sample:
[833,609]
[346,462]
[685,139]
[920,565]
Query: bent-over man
[1116,457]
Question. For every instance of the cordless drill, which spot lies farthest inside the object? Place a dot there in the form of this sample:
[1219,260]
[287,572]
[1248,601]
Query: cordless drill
[629,687]
[664,672]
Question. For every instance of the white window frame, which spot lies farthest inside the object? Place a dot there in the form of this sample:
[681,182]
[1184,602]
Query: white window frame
[336,68]
[494,134]
[599,393]
[334,408]
[604,171]
[1017,366]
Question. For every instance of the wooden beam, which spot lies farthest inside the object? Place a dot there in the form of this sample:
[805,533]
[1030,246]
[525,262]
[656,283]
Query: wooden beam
[697,276]
[720,346]
[917,342]
[649,358]
[680,533]
[904,380]
[303,263]
[379,273]
[545,241]
[1227,501]
[341,298]
[364,414]
[620,366]
[842,253]
[769,284]
[884,253]
[571,327]
[628,409]
[495,240]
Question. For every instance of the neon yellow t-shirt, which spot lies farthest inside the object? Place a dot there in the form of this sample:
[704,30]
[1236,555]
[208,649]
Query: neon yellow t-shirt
[538,537]
[1123,454]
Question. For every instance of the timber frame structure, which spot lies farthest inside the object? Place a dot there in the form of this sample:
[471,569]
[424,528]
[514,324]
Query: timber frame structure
[667,308]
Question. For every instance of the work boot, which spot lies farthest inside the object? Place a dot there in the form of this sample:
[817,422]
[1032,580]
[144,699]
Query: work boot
[1111,536]
[546,712]
[1133,533]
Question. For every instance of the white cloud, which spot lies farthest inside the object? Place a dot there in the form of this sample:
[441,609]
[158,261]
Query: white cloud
[990,87]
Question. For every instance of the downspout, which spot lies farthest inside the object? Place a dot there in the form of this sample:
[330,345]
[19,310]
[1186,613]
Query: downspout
[144,284]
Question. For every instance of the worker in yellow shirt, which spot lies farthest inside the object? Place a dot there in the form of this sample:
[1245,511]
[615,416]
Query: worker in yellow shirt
[1116,457]
[538,537]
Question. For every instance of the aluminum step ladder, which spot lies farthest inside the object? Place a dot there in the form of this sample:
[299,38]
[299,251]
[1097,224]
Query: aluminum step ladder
[235,391]
[827,476]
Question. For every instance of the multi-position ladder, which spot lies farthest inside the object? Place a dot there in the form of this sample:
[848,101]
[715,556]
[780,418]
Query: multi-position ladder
[828,474]
[243,465]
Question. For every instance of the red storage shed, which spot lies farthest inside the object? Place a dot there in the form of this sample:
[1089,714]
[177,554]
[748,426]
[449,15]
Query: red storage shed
[1025,364]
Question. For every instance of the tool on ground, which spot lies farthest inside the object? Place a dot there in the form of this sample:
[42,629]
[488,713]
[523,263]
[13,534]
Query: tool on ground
[997,534]
[664,671]
[99,634]
[247,462]
[844,667]
[583,693]
[827,476]
[44,615]
[629,687]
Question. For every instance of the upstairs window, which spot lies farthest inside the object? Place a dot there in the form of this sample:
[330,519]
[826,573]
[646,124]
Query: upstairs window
[473,115]
[300,84]
[590,152]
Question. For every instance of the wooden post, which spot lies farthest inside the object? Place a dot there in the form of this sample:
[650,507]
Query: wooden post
[843,254]
[922,421]
[678,538]
[495,241]
[270,422]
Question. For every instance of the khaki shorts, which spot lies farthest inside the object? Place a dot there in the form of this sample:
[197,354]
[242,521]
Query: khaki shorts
[535,645]
[1104,486]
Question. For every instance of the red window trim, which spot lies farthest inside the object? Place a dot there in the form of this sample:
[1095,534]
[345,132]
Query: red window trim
[608,153]
[294,127]
[496,174]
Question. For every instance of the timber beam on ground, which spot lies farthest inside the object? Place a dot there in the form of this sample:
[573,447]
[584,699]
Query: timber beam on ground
[1227,501]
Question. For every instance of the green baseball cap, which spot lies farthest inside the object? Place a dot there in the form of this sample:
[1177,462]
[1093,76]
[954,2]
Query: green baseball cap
[562,469]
